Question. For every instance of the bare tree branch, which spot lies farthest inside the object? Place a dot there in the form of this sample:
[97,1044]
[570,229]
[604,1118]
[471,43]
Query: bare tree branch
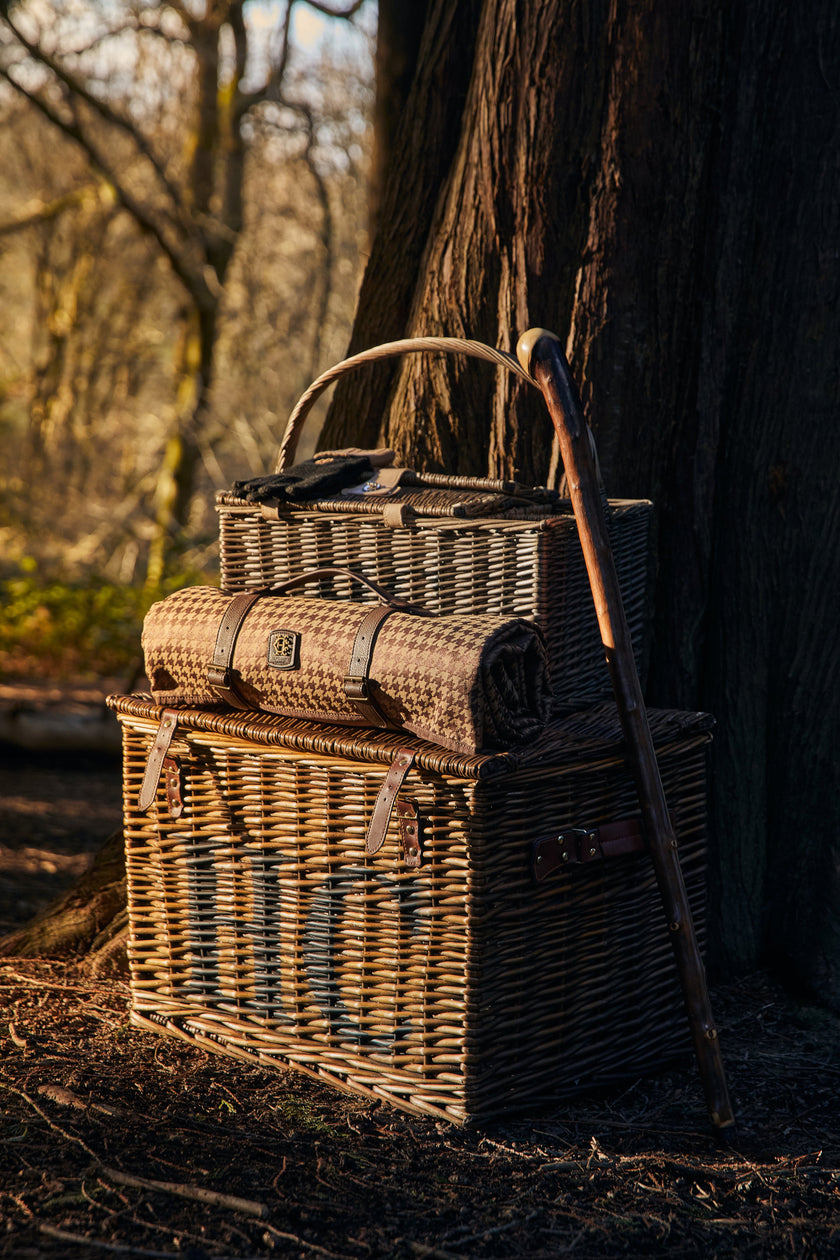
[270,90]
[105,112]
[43,211]
[193,278]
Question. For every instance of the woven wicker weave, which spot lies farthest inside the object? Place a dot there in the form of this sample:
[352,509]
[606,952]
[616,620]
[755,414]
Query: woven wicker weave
[259,927]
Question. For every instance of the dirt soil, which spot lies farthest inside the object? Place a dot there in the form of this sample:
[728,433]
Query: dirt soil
[118,1142]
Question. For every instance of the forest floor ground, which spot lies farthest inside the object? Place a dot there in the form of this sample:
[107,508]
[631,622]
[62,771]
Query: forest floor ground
[114,1141]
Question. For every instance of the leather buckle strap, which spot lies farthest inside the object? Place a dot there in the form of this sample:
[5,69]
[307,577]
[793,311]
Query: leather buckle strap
[220,671]
[172,779]
[578,845]
[384,804]
[157,756]
[408,820]
[357,679]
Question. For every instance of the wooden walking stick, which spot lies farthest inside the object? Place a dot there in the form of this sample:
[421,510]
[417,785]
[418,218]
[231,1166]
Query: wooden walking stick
[540,354]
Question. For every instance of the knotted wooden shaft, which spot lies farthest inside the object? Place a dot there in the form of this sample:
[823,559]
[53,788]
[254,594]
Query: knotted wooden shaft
[540,354]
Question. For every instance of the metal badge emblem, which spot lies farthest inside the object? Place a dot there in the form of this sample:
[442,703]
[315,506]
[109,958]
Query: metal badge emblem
[283,649]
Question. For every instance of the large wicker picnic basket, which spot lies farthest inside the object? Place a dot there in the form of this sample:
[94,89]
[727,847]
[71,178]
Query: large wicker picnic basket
[501,945]
[452,545]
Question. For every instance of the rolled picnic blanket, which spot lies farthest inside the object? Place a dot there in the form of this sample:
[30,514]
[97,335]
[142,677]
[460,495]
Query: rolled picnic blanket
[466,683]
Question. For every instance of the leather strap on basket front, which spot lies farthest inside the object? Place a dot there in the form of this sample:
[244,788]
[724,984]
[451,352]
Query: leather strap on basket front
[157,757]
[575,845]
[384,804]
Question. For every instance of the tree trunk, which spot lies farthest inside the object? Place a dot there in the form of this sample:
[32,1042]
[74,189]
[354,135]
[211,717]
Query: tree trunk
[426,139]
[705,328]
[662,183]
[398,32]
[176,476]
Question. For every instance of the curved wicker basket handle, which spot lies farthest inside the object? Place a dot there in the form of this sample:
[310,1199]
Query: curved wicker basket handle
[410,345]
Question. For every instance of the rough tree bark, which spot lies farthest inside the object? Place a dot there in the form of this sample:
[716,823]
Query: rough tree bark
[423,149]
[662,184]
[399,30]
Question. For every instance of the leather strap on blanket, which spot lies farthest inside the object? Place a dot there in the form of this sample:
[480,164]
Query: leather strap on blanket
[219,671]
[357,678]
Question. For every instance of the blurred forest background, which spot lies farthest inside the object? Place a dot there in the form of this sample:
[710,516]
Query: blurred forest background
[183,226]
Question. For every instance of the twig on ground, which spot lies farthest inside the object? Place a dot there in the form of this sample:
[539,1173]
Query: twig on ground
[432,1253]
[15,1198]
[497,1229]
[199,1193]
[68,1137]
[41,984]
[20,1042]
[310,1246]
[81,1240]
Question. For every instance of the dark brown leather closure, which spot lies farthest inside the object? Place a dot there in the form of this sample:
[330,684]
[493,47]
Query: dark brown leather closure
[357,678]
[384,804]
[576,845]
[157,755]
[220,673]
[408,817]
[172,778]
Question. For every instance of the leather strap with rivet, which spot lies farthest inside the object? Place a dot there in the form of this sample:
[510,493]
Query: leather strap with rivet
[157,756]
[172,780]
[408,820]
[384,804]
[578,845]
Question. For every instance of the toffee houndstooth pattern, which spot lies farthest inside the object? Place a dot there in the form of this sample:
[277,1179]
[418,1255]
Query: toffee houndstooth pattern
[466,683]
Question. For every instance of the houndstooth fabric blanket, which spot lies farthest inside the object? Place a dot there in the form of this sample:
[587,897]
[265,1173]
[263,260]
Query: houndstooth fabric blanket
[470,684]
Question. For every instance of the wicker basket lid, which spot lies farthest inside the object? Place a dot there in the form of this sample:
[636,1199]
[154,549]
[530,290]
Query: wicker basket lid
[568,742]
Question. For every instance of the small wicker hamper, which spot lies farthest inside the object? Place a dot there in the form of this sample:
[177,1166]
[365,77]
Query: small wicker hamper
[453,545]
[442,969]
[502,567]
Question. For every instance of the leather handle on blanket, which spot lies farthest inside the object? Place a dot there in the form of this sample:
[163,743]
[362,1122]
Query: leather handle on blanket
[576,845]
[357,679]
[335,570]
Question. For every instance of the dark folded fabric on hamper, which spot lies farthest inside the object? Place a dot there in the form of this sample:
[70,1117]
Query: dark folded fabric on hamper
[468,683]
[311,479]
